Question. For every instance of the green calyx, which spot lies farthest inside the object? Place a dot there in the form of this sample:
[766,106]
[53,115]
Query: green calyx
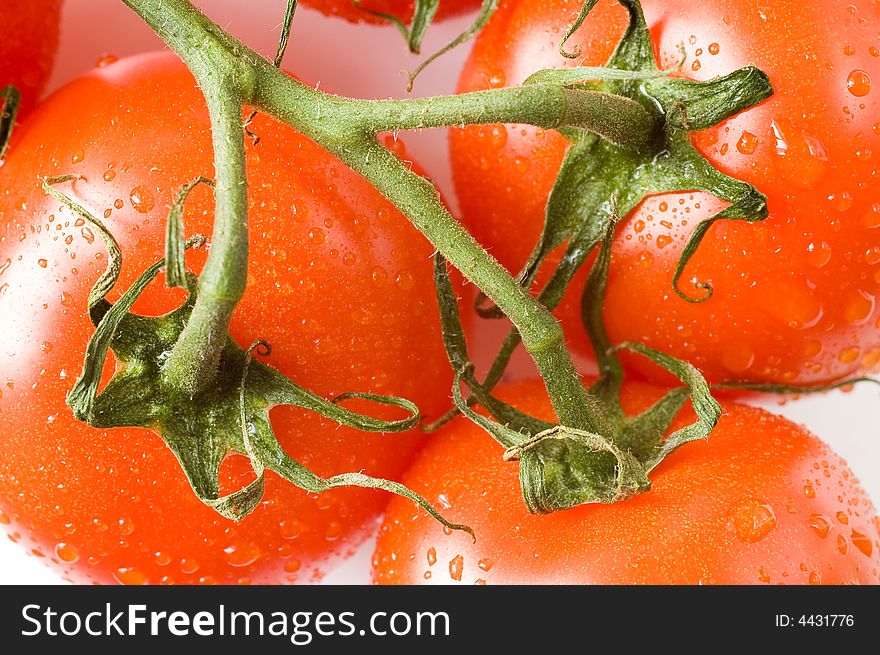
[229,416]
[561,467]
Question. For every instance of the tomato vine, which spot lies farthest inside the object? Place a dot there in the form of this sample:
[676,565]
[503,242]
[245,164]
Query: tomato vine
[635,115]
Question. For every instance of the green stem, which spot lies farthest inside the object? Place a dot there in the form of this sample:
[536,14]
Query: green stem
[196,356]
[230,74]
[618,119]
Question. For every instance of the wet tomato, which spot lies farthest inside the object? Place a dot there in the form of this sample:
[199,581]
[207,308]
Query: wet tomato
[761,501]
[795,296]
[339,283]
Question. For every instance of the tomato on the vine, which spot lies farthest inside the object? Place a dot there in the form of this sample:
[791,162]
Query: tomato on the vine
[366,10]
[794,296]
[760,501]
[28,45]
[339,283]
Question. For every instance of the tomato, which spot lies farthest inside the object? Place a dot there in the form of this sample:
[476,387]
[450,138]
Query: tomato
[795,296]
[340,284]
[27,49]
[402,9]
[760,501]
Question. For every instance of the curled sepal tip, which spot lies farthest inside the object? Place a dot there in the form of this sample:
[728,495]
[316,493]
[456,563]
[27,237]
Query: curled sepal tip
[749,207]
[175,239]
[705,406]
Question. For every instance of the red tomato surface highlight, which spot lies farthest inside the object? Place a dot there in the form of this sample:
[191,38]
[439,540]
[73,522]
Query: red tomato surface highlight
[402,9]
[761,501]
[28,44]
[795,296]
[339,283]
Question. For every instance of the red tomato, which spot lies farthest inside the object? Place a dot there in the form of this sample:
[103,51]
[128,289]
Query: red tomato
[402,9]
[339,283]
[760,501]
[795,296]
[27,49]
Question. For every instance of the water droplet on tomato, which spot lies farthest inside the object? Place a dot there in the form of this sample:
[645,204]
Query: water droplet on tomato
[291,529]
[842,545]
[820,525]
[126,526]
[497,136]
[66,553]
[189,566]
[432,556]
[496,79]
[841,201]
[747,143]
[849,355]
[858,83]
[814,578]
[77,156]
[405,280]
[106,60]
[142,199]
[42,263]
[292,566]
[427,575]
[859,307]
[752,520]
[818,255]
[241,554]
[317,235]
[456,568]
[162,559]
[129,576]
[764,575]
[109,174]
[485,564]
[333,532]
[862,542]
[714,49]
[737,357]
[842,518]
[118,203]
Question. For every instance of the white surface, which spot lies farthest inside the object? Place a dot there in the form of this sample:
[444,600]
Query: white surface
[333,52]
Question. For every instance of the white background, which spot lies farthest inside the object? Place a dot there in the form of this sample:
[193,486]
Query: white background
[367,62]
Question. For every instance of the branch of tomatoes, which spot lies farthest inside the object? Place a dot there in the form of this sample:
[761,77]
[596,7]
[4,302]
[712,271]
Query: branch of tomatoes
[630,112]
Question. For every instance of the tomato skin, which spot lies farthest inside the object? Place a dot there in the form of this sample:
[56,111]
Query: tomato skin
[795,296]
[27,49]
[339,283]
[402,9]
[755,503]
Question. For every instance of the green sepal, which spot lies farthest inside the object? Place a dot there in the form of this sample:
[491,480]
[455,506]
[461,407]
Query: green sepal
[771,387]
[416,32]
[175,240]
[561,467]
[597,176]
[457,352]
[10,99]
